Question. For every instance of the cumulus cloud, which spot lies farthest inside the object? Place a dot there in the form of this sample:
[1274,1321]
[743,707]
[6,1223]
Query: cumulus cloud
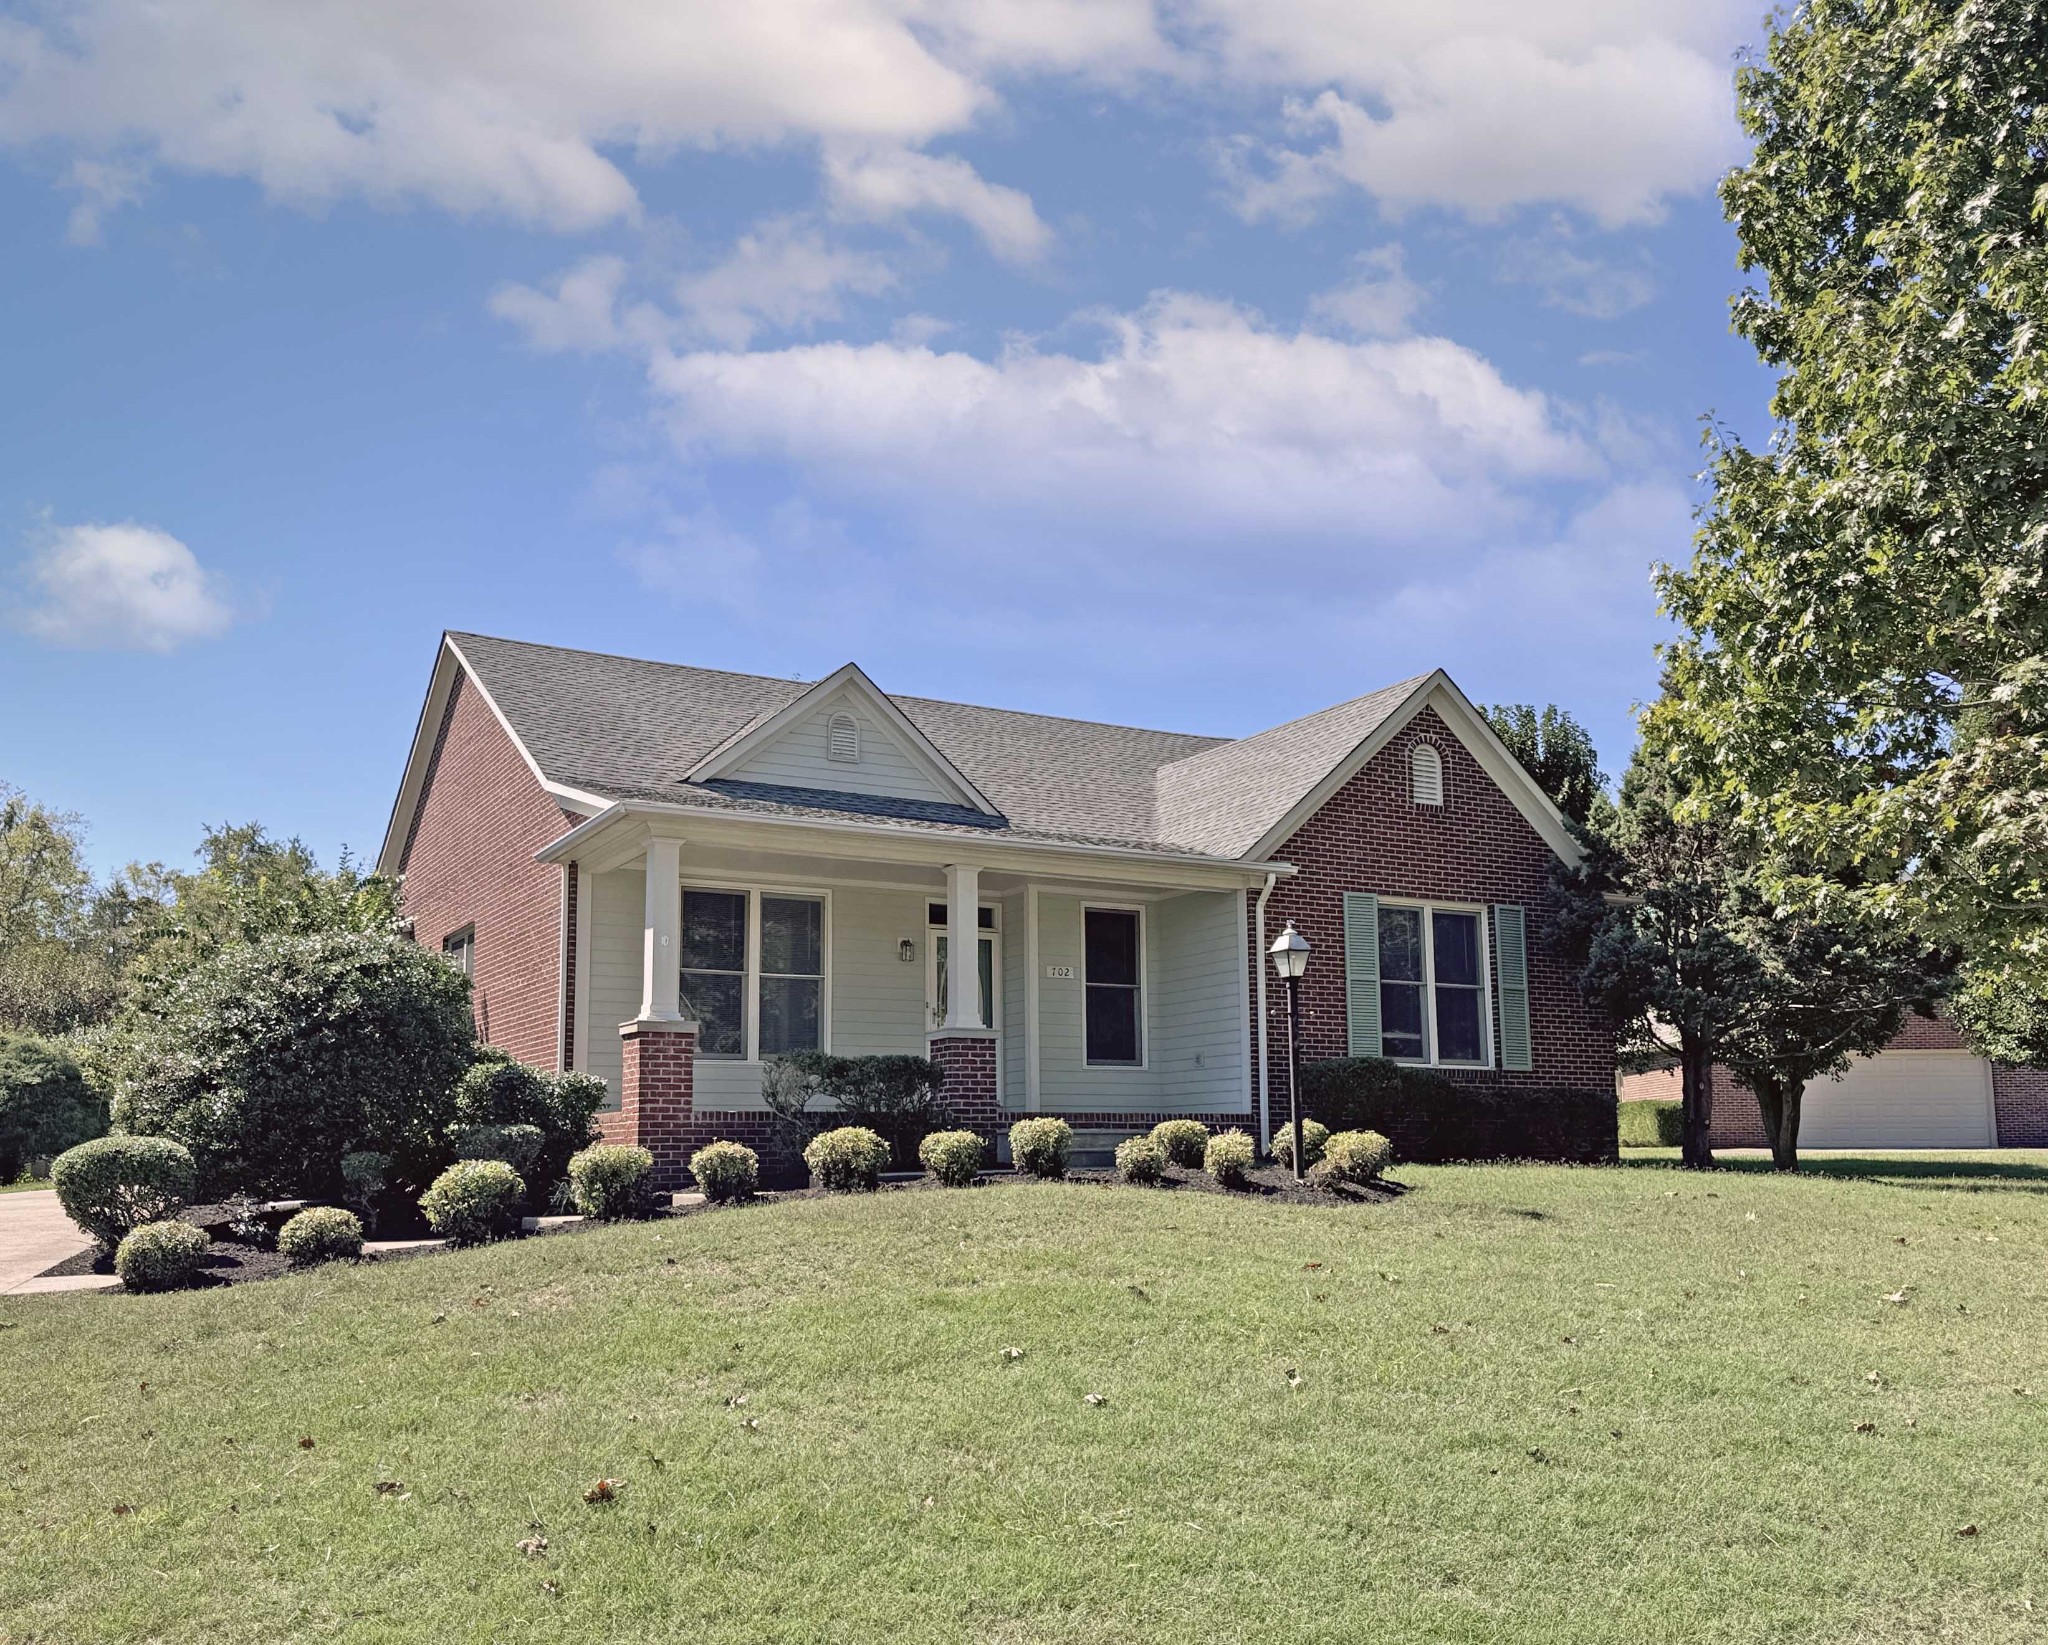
[1380,300]
[578,315]
[123,587]
[882,185]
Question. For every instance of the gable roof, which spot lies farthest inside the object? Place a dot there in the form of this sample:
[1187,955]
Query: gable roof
[600,730]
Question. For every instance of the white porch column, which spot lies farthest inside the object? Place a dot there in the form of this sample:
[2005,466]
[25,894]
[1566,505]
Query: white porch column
[661,944]
[963,953]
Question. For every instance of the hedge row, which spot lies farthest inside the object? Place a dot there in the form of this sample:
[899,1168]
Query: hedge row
[1431,1118]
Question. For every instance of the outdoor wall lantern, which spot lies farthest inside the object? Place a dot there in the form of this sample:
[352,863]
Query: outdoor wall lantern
[906,951]
[1290,953]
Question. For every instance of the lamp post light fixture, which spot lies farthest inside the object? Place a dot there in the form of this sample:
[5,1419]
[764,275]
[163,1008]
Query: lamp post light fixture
[1290,953]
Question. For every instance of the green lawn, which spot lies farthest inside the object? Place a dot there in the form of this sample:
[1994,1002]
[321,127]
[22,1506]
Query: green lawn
[1534,1404]
[23,1186]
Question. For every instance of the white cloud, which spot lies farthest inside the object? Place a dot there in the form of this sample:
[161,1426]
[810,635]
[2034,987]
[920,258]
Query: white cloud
[880,185]
[1592,287]
[1380,302]
[783,275]
[124,587]
[580,315]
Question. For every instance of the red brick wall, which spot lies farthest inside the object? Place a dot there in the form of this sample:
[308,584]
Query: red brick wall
[1475,848]
[2019,1097]
[967,1064]
[469,860]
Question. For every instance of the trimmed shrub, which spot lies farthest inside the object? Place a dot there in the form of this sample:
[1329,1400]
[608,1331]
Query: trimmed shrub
[320,1233]
[1229,1157]
[848,1160]
[612,1182]
[1040,1146]
[1183,1142]
[473,1201]
[1140,1159]
[726,1171]
[160,1256]
[1431,1119]
[895,1097]
[1314,1136]
[45,1104]
[496,1091]
[1356,1157]
[114,1184]
[272,1059]
[518,1146]
[954,1157]
[364,1173]
[1652,1123]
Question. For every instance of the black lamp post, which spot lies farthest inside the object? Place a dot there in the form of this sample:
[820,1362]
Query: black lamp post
[1290,959]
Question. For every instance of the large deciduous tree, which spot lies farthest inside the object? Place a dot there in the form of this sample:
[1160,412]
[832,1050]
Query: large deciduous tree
[1862,676]
[1557,751]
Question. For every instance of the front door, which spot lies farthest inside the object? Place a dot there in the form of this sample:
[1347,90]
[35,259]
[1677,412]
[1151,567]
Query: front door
[988,969]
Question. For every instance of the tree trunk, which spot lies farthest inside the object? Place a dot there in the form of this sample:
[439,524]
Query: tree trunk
[1785,1134]
[1696,1088]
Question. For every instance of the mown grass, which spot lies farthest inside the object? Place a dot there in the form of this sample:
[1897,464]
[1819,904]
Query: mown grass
[1518,1404]
[22,1185]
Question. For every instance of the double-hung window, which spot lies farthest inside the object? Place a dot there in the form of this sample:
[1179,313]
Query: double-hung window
[1114,966]
[1433,984]
[458,948]
[753,972]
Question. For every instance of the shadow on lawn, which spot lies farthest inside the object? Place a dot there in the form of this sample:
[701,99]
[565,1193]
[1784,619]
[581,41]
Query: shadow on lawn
[1971,1176]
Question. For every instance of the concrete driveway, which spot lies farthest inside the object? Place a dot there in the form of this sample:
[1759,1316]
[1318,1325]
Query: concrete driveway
[35,1234]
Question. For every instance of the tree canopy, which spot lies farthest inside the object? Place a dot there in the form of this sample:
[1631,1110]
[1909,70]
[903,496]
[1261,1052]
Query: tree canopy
[1557,751]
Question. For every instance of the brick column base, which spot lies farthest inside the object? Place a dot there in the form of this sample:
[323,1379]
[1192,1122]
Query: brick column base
[966,1060]
[656,1092]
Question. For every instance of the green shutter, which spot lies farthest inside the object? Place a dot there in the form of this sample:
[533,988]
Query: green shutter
[1362,972]
[1511,963]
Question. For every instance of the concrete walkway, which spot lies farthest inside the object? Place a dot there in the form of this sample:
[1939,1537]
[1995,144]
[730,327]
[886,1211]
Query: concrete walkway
[36,1234]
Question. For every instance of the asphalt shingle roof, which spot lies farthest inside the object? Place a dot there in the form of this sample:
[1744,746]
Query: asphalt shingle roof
[626,729]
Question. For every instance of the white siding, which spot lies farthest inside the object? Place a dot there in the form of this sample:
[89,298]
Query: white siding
[617,908]
[1198,1024]
[1065,1079]
[1016,1024]
[797,758]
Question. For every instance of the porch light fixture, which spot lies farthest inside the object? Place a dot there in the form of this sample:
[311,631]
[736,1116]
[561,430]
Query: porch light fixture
[906,951]
[1290,953]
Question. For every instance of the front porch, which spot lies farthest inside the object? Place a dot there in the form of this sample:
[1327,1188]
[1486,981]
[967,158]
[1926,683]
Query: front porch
[1107,990]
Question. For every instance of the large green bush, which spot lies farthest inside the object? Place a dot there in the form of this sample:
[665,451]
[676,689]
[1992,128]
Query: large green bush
[112,1185]
[953,1157]
[1656,1122]
[496,1091]
[896,1097]
[517,1145]
[320,1233]
[1431,1118]
[272,1059]
[1039,1147]
[848,1160]
[1183,1142]
[726,1171]
[474,1200]
[45,1104]
[161,1256]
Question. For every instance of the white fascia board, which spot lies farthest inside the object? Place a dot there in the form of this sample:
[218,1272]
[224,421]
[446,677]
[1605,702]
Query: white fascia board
[849,679]
[879,841]
[1469,726]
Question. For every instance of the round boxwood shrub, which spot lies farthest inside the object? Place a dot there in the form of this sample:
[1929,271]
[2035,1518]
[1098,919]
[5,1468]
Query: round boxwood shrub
[474,1200]
[1356,1157]
[45,1104]
[517,1145]
[1041,1146]
[612,1181]
[848,1160]
[320,1233]
[272,1059]
[1140,1159]
[1182,1141]
[160,1256]
[726,1171]
[954,1157]
[498,1092]
[1315,1136]
[1228,1158]
[113,1184]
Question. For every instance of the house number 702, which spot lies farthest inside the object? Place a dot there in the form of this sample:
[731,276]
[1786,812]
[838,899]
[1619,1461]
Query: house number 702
[1060,973]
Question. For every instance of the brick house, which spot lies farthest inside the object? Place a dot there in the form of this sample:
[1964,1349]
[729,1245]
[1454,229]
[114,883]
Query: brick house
[665,875]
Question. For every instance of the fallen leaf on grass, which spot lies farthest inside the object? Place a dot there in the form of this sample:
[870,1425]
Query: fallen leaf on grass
[751,1424]
[533,1546]
[605,1490]
[1311,1265]
[1439,1330]
[124,1508]
[550,1587]
[1013,1353]
[1095,1399]
[1898,1296]
[1873,1377]
[1967,1530]
[1293,1378]
[305,1442]
[1866,1427]
[388,1487]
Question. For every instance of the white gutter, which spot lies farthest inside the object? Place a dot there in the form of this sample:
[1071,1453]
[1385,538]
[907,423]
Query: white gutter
[1259,963]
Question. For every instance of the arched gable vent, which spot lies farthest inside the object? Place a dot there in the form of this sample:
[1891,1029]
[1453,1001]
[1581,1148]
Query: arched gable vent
[1426,775]
[842,739]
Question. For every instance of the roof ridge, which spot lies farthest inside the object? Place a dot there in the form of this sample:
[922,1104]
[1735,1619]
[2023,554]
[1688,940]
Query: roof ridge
[1229,744]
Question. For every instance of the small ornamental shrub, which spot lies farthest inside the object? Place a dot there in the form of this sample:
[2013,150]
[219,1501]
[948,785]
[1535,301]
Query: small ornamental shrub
[45,1103]
[1653,1123]
[1184,1142]
[726,1171]
[1040,1146]
[517,1145]
[848,1160]
[1140,1159]
[320,1233]
[364,1173]
[474,1200]
[1314,1134]
[612,1181]
[1228,1158]
[954,1157]
[496,1091]
[160,1256]
[1355,1157]
[113,1184]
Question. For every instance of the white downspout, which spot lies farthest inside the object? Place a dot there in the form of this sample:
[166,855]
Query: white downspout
[1259,965]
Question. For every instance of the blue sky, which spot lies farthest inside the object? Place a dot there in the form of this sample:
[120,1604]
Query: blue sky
[1192,364]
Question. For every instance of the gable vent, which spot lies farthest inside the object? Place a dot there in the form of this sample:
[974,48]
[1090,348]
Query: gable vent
[1426,775]
[842,739]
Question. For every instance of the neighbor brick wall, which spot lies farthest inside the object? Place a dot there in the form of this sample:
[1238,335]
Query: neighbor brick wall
[2019,1097]
[1474,848]
[469,860]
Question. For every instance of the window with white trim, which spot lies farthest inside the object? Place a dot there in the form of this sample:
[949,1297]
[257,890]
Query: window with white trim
[458,948]
[1114,963]
[1433,994]
[753,972]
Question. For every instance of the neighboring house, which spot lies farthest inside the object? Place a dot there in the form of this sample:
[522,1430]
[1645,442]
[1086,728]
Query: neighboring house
[1924,1090]
[664,875]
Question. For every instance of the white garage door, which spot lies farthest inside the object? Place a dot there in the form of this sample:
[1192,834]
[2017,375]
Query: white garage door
[1902,1099]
